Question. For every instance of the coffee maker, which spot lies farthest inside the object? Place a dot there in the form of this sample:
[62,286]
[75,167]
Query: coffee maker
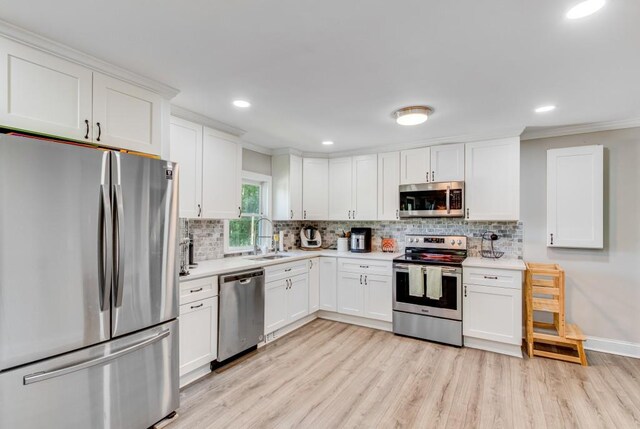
[361,240]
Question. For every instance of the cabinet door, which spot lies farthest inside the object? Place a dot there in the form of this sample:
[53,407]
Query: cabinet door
[198,334]
[351,293]
[575,197]
[315,189]
[340,189]
[295,187]
[221,176]
[126,116]
[186,149]
[365,187]
[378,297]
[415,165]
[492,179]
[388,183]
[493,313]
[447,163]
[328,283]
[314,285]
[43,93]
[275,305]
[298,298]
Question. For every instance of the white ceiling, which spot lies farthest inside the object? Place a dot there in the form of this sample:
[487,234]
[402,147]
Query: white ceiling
[335,69]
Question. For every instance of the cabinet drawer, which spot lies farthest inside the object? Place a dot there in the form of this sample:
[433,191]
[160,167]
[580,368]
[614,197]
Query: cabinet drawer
[365,266]
[286,270]
[493,277]
[194,290]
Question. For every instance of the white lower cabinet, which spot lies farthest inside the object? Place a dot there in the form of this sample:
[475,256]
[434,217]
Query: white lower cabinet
[378,297]
[286,300]
[328,285]
[363,294]
[492,312]
[198,334]
[350,294]
[314,285]
[298,298]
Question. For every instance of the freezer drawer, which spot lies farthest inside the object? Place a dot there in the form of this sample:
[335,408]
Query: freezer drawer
[129,382]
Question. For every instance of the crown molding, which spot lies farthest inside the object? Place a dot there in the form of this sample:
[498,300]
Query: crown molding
[568,130]
[287,151]
[192,116]
[36,41]
[256,148]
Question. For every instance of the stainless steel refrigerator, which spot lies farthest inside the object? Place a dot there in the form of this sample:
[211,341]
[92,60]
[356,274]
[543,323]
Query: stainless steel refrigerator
[88,287]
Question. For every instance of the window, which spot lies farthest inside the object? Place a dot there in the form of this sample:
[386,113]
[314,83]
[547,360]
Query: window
[239,233]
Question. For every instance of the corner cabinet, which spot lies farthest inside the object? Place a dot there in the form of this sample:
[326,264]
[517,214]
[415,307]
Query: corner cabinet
[492,180]
[287,187]
[315,189]
[388,183]
[47,94]
[575,180]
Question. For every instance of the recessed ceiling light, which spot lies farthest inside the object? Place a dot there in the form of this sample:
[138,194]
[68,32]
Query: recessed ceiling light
[327,142]
[412,115]
[241,103]
[585,8]
[543,109]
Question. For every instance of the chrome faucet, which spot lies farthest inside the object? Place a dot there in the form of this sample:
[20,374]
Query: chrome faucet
[256,236]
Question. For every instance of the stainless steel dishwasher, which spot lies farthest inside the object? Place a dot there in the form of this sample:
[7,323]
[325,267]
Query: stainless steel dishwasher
[241,312]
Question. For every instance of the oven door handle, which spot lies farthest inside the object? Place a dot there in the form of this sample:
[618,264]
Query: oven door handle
[404,268]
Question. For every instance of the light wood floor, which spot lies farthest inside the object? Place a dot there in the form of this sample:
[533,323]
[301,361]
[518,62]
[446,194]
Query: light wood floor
[329,374]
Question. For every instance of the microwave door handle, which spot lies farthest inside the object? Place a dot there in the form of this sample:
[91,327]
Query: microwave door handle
[448,199]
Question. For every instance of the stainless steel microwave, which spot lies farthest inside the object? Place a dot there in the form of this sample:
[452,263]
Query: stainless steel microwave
[441,199]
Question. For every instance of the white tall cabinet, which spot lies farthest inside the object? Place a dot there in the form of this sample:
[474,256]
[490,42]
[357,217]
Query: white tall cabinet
[492,179]
[388,183]
[286,173]
[575,180]
[353,188]
[315,189]
[186,150]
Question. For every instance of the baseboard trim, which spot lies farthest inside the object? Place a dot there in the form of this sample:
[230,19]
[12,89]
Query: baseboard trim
[355,320]
[195,375]
[614,347]
[493,346]
[279,333]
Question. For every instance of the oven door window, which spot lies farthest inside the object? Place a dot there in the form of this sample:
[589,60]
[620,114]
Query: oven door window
[449,298]
[428,200]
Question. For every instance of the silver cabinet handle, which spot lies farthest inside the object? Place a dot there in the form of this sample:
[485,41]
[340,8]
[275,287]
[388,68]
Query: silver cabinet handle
[41,376]
[195,290]
[239,211]
[433,176]
[305,214]
[551,239]
[360,278]
[86,122]
[365,280]
[467,212]
[427,176]
[349,215]
[199,210]
[99,131]
[397,214]
[120,247]
[465,291]
[197,306]
[105,248]
[291,214]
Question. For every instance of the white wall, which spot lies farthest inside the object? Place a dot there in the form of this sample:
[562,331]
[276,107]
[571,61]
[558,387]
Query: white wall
[603,286]
[256,162]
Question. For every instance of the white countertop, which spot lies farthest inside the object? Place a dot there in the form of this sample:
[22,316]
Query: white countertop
[502,263]
[227,265]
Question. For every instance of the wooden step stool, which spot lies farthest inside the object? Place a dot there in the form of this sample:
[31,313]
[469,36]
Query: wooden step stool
[544,291]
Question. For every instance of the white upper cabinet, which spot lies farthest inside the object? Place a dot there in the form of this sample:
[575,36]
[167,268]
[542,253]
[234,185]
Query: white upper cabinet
[415,165]
[492,179]
[388,183]
[221,175]
[447,163]
[287,187]
[575,180]
[340,189]
[364,204]
[44,93]
[186,150]
[126,116]
[315,185]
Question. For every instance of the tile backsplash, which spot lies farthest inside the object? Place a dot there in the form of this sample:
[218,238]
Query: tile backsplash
[208,235]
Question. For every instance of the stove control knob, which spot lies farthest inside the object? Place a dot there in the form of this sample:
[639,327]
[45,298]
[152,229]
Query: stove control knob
[453,242]
[459,242]
[410,240]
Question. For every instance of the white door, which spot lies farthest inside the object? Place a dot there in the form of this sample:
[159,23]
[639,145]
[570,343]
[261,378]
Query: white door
[575,197]
[126,116]
[314,285]
[198,334]
[43,93]
[447,163]
[221,176]
[295,187]
[351,293]
[365,187]
[492,313]
[388,186]
[315,189]
[275,305]
[415,165]
[298,298]
[340,189]
[378,297]
[328,283]
[492,179]
[186,149]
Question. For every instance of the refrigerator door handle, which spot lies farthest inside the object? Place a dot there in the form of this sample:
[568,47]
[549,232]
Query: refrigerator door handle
[41,376]
[105,249]
[119,245]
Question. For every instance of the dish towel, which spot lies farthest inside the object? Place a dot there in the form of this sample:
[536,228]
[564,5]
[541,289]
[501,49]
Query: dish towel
[434,283]
[416,281]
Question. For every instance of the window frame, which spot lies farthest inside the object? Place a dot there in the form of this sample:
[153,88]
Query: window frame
[249,177]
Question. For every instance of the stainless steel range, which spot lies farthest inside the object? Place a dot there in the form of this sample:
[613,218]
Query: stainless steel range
[427,288]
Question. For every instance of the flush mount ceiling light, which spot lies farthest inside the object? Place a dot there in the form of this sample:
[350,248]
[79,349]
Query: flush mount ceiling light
[327,142]
[241,103]
[544,109]
[585,8]
[412,115]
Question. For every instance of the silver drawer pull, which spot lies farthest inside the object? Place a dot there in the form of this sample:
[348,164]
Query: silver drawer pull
[491,277]
[195,290]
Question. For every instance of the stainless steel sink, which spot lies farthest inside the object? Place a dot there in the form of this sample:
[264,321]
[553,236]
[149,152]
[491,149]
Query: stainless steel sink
[269,257]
